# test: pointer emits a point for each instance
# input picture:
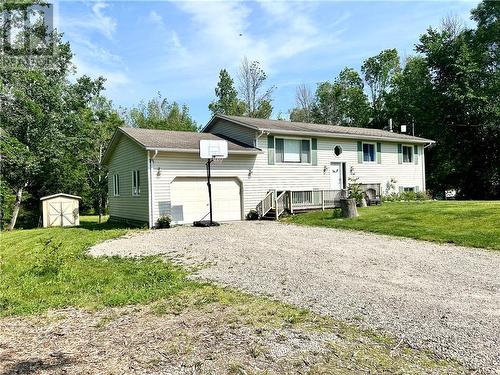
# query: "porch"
(275, 203)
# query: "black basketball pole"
(209, 161)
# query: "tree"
(258, 101)
(41, 111)
(159, 113)
(304, 102)
(463, 69)
(18, 166)
(342, 102)
(378, 73)
(227, 102)
(101, 121)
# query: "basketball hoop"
(214, 150)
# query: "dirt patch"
(215, 338)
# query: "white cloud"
(95, 21)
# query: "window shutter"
(401, 189)
(314, 151)
(415, 154)
(360, 152)
(270, 149)
(400, 153)
(417, 189)
(379, 153)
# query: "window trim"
(408, 189)
(296, 139)
(116, 184)
(412, 157)
(374, 144)
(134, 192)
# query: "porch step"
(270, 215)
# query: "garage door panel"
(189, 199)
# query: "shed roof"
(300, 128)
(60, 195)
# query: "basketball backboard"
(210, 148)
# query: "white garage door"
(189, 199)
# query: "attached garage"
(189, 199)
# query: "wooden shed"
(60, 210)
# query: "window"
(407, 154)
(136, 183)
(116, 185)
(406, 189)
(369, 152)
(337, 150)
(293, 150)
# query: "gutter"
(350, 136)
(195, 150)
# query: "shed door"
(189, 199)
(61, 213)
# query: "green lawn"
(42, 269)
(468, 223)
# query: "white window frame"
(116, 185)
(136, 190)
(407, 189)
(296, 139)
(412, 148)
(374, 152)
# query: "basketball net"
(217, 158)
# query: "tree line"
(55, 128)
(449, 91)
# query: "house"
(271, 166)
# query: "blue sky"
(178, 48)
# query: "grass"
(467, 223)
(48, 268)
(42, 269)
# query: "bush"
(406, 196)
(252, 215)
(163, 222)
(354, 190)
(50, 261)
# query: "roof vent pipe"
(390, 124)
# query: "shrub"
(252, 215)
(406, 196)
(50, 260)
(163, 222)
(354, 189)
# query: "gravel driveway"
(445, 298)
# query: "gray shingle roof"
(178, 140)
(320, 129)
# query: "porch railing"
(315, 199)
(298, 200)
(266, 204)
(282, 203)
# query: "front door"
(336, 176)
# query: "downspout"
(151, 188)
